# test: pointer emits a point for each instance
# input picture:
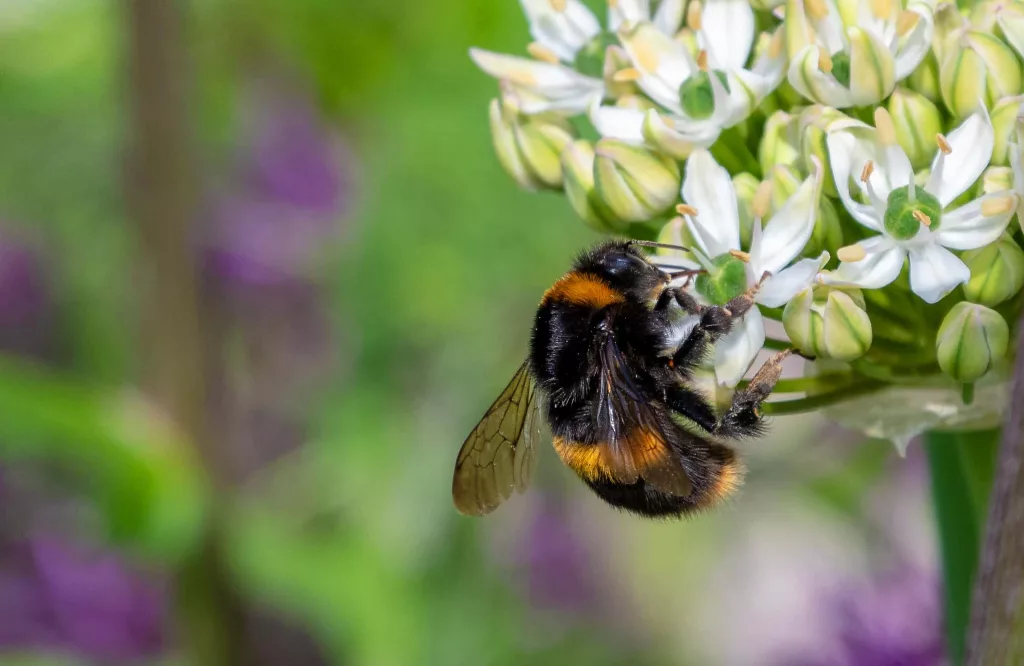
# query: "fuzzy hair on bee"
(615, 382)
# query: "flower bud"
(925, 79)
(746, 186)
(971, 340)
(1004, 122)
(780, 142)
(814, 123)
(917, 121)
(978, 66)
(829, 322)
(997, 272)
(578, 169)
(676, 232)
(995, 179)
(529, 149)
(635, 183)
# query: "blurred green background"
(370, 273)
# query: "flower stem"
(813, 402)
(961, 469)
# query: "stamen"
(907, 22)
(613, 3)
(646, 56)
(741, 255)
(922, 218)
(865, 173)
(816, 9)
(882, 9)
(558, 5)
(695, 16)
(998, 206)
(684, 209)
(777, 44)
(885, 127)
(943, 144)
(762, 199)
(824, 61)
(627, 75)
(702, 60)
(851, 253)
(542, 53)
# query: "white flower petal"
(788, 231)
(736, 351)
(627, 12)
(669, 16)
(914, 46)
(618, 123)
(662, 62)
(729, 28)
(563, 31)
(787, 283)
(967, 228)
(708, 188)
(563, 102)
(935, 271)
(814, 84)
(972, 143)
(847, 155)
(526, 71)
(880, 267)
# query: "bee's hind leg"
(744, 417)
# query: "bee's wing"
(500, 454)
(635, 443)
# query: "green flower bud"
(746, 188)
(925, 79)
(1004, 119)
(971, 340)
(637, 184)
(780, 142)
(977, 66)
(578, 169)
(590, 59)
(917, 122)
(814, 123)
(995, 179)
(997, 272)
(829, 323)
(529, 149)
(725, 279)
(659, 133)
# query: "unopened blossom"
(712, 217)
(700, 93)
(853, 54)
(912, 220)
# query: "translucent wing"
(635, 442)
(500, 454)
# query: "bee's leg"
(692, 405)
(744, 417)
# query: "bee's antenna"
(643, 243)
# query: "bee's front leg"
(744, 417)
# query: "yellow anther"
(943, 144)
(542, 53)
(851, 253)
(865, 173)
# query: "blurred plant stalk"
(162, 189)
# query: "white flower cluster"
(865, 153)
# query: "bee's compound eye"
(619, 263)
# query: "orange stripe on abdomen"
(581, 289)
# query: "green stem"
(962, 465)
(777, 345)
(724, 156)
(829, 382)
(813, 402)
(736, 145)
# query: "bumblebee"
(615, 380)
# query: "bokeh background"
(369, 273)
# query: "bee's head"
(624, 267)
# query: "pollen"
(559, 5)
(695, 15)
(741, 255)
(542, 53)
(885, 127)
(865, 173)
(998, 206)
(685, 209)
(762, 199)
(943, 144)
(824, 61)
(907, 22)
(922, 218)
(882, 9)
(816, 9)
(851, 253)
(627, 75)
(702, 60)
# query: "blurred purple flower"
(557, 561)
(27, 313)
(56, 596)
(894, 621)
